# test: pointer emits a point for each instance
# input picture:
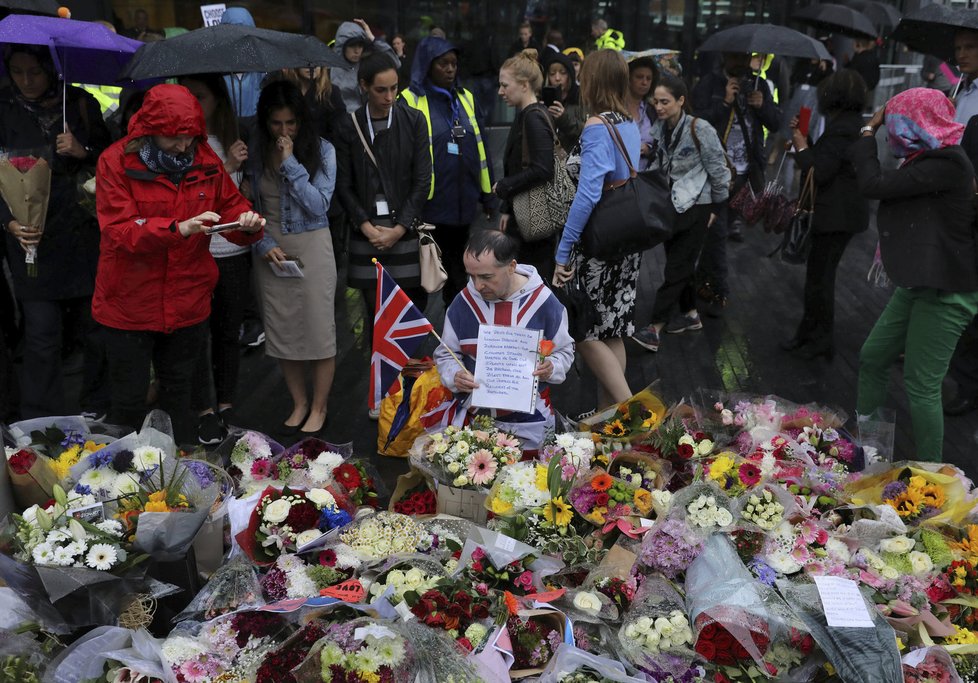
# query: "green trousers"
(923, 324)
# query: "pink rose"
(524, 580)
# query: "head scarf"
(46, 109)
(920, 119)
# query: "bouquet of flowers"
(80, 569)
(233, 587)
(383, 534)
(640, 469)
(228, 648)
(602, 498)
(827, 447)
(111, 654)
(457, 607)
(311, 463)
(514, 577)
(278, 665)
(417, 574)
(253, 462)
(574, 452)
(113, 472)
(630, 420)
(359, 484)
(571, 664)
(535, 636)
(285, 521)
(656, 634)
(420, 500)
(467, 457)
(168, 509)
(300, 576)
(919, 495)
(930, 665)
(521, 486)
(47, 456)
(25, 185)
(360, 650)
(670, 548)
(765, 507)
(704, 507)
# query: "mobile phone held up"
(804, 119)
(550, 94)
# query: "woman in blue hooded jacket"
(461, 173)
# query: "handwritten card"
(504, 368)
(843, 603)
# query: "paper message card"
(843, 603)
(504, 368)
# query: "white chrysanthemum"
(124, 485)
(782, 561)
(110, 526)
(300, 585)
(368, 659)
(56, 536)
(97, 479)
(75, 548)
(390, 651)
(146, 458)
(178, 649)
(101, 556)
(63, 558)
(346, 558)
(43, 553)
(836, 548)
(566, 440)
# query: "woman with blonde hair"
(610, 285)
(529, 158)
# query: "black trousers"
(682, 250)
(218, 362)
(818, 319)
(173, 356)
(539, 254)
(452, 240)
(42, 389)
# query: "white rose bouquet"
(763, 509)
(705, 513)
(656, 635)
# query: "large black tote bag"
(632, 215)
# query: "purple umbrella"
(83, 51)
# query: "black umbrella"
(837, 19)
(39, 6)
(931, 29)
(765, 39)
(228, 48)
(884, 17)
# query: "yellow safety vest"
(468, 104)
(611, 39)
(107, 96)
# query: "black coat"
(404, 178)
(838, 206)
(67, 255)
(533, 122)
(926, 217)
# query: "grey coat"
(345, 78)
(699, 173)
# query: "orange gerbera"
(512, 604)
(602, 482)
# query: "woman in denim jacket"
(292, 173)
(688, 150)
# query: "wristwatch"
(867, 129)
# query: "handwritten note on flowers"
(504, 368)
(843, 603)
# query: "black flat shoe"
(961, 405)
(318, 433)
(292, 430)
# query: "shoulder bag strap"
(363, 139)
(526, 145)
(620, 144)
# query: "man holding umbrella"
(739, 106)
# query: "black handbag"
(632, 215)
(797, 241)
(582, 316)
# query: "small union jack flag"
(399, 330)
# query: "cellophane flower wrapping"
(230, 648)
(34, 468)
(722, 597)
(375, 537)
(399, 575)
(442, 658)
(929, 664)
(655, 634)
(569, 659)
(703, 507)
(22, 658)
(764, 508)
(167, 536)
(466, 457)
(251, 459)
(233, 587)
(921, 493)
(600, 498)
(310, 463)
(501, 550)
(86, 658)
(859, 655)
(360, 645)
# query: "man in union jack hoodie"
(500, 291)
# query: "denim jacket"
(698, 176)
(304, 202)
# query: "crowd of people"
(321, 171)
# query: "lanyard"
(370, 124)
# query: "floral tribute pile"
(701, 543)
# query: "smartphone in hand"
(550, 94)
(222, 227)
(804, 119)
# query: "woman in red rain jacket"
(158, 188)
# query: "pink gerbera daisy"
(482, 467)
(261, 468)
(749, 473)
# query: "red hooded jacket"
(149, 276)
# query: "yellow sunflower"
(650, 421)
(615, 428)
(643, 501)
(908, 503)
(558, 512)
(933, 495)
